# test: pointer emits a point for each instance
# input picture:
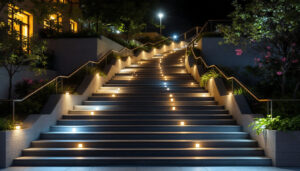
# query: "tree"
(130, 16)
(15, 53)
(273, 28)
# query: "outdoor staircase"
(132, 121)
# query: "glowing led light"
(165, 86)
(172, 100)
(80, 146)
(173, 108)
(97, 108)
(67, 93)
(230, 93)
(17, 127)
(182, 123)
(197, 145)
(165, 83)
(168, 89)
(192, 83)
(113, 95)
(92, 113)
(171, 95)
(74, 130)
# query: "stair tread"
(130, 132)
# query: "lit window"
(54, 22)
(20, 22)
(73, 26)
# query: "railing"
(269, 102)
(60, 79)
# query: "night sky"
(181, 15)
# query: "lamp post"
(160, 16)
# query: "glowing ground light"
(182, 123)
(172, 100)
(192, 83)
(17, 127)
(173, 108)
(80, 145)
(197, 145)
(168, 89)
(230, 93)
(92, 113)
(113, 95)
(67, 93)
(74, 130)
(171, 95)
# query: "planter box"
(283, 147)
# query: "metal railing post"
(13, 111)
(232, 86)
(56, 85)
(271, 105)
(62, 84)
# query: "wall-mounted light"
(74, 130)
(173, 108)
(67, 93)
(92, 113)
(172, 100)
(80, 145)
(113, 95)
(197, 145)
(171, 95)
(18, 127)
(182, 123)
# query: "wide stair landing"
(141, 117)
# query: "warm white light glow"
(168, 89)
(172, 100)
(192, 83)
(67, 93)
(113, 95)
(230, 93)
(80, 145)
(173, 108)
(197, 145)
(92, 113)
(17, 127)
(182, 123)
(171, 95)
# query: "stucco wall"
(70, 53)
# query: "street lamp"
(160, 16)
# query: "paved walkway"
(149, 169)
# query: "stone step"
(153, 103)
(148, 112)
(238, 143)
(145, 135)
(143, 128)
(144, 161)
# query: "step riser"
(163, 94)
(143, 136)
(223, 144)
(146, 99)
(145, 117)
(153, 162)
(152, 112)
(143, 153)
(137, 122)
(147, 108)
(145, 128)
(177, 103)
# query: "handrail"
(268, 100)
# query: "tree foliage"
(273, 28)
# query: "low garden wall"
(282, 147)
(14, 141)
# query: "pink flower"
(41, 80)
(283, 59)
(279, 73)
(295, 61)
(29, 81)
(268, 47)
(238, 52)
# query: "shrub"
(6, 124)
(276, 123)
(208, 75)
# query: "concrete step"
(143, 128)
(144, 161)
(143, 152)
(153, 103)
(238, 143)
(145, 135)
(148, 112)
(147, 116)
(145, 122)
(149, 107)
(162, 94)
(147, 99)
